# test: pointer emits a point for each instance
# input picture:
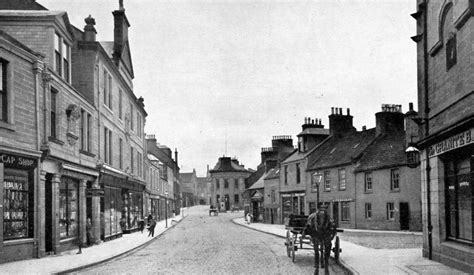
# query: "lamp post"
(316, 178)
(166, 209)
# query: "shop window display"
(17, 220)
(68, 208)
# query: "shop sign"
(454, 142)
(20, 162)
(95, 192)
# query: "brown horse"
(322, 230)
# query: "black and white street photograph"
(237, 137)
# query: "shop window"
(327, 180)
(298, 173)
(342, 179)
(18, 204)
(68, 208)
(368, 211)
(395, 179)
(459, 193)
(368, 181)
(390, 211)
(345, 211)
(3, 91)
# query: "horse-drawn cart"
(298, 238)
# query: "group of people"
(151, 223)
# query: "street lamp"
(316, 178)
(166, 209)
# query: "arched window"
(448, 35)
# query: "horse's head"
(322, 220)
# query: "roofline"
(381, 167)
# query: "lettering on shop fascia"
(451, 143)
(17, 161)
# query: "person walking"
(151, 228)
(89, 232)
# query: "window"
(286, 174)
(120, 153)
(131, 118)
(327, 180)
(368, 181)
(226, 183)
(120, 104)
(217, 184)
(85, 129)
(390, 211)
(342, 179)
(449, 37)
(57, 54)
(394, 179)
(458, 196)
(68, 208)
(316, 180)
(107, 90)
(368, 211)
(3, 91)
(139, 163)
(66, 54)
(53, 122)
(132, 164)
(273, 196)
(298, 173)
(345, 211)
(62, 57)
(18, 202)
(139, 124)
(236, 198)
(107, 146)
(236, 185)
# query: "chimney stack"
(176, 156)
(340, 124)
(121, 26)
(89, 29)
(390, 119)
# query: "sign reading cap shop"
(14, 161)
(451, 143)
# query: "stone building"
(228, 183)
(103, 73)
(170, 192)
(446, 117)
(154, 187)
(21, 219)
(363, 176)
(189, 188)
(68, 140)
(293, 179)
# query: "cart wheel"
(293, 246)
(337, 249)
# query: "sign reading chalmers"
(451, 143)
(14, 161)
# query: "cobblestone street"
(201, 244)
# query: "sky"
(223, 77)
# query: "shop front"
(448, 174)
(17, 222)
(292, 203)
(257, 209)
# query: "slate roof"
(186, 177)
(274, 173)
(260, 182)
(375, 156)
(314, 131)
(340, 150)
(226, 164)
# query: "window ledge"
(55, 140)
(368, 192)
(18, 241)
(7, 126)
(395, 191)
(87, 153)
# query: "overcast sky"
(251, 70)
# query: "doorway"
(404, 216)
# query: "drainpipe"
(37, 69)
(426, 128)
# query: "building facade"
(228, 183)
(189, 188)
(446, 118)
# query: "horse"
(322, 230)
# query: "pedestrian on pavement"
(89, 232)
(249, 218)
(151, 229)
(141, 224)
(148, 219)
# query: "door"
(335, 213)
(227, 202)
(48, 214)
(404, 216)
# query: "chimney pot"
(410, 106)
(340, 111)
(348, 111)
(364, 128)
(312, 121)
(89, 29)
(332, 110)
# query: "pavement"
(70, 261)
(362, 260)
